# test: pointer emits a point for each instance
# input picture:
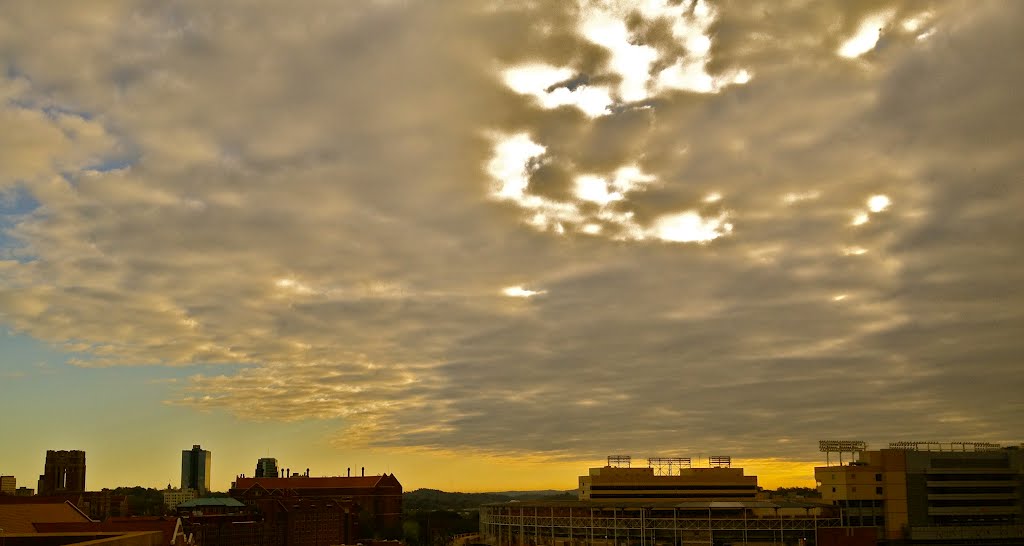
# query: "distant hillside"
(433, 499)
(536, 494)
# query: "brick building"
(271, 519)
(370, 505)
(103, 504)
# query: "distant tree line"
(805, 492)
(146, 501)
(433, 517)
(433, 499)
(143, 501)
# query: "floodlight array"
(620, 461)
(842, 446)
(945, 446)
(666, 466)
(720, 461)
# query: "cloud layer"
(482, 227)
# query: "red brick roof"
(167, 525)
(40, 499)
(336, 482)
(22, 517)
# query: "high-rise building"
(266, 468)
(64, 472)
(8, 485)
(195, 469)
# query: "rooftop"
(212, 501)
(20, 518)
(636, 504)
(304, 482)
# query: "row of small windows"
(973, 502)
(1001, 462)
(878, 490)
(977, 490)
(878, 477)
(1005, 477)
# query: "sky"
(483, 245)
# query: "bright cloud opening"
(867, 35)
(918, 22)
(509, 167)
(912, 24)
(293, 285)
(595, 189)
(796, 197)
(878, 203)
(535, 78)
(603, 22)
(690, 227)
(520, 292)
(629, 60)
(537, 81)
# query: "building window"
(853, 476)
(878, 490)
(854, 489)
(878, 477)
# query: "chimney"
(349, 472)
(363, 473)
(307, 472)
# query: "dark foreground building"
(97, 505)
(718, 522)
(269, 520)
(298, 511)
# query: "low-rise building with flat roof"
(621, 484)
(174, 497)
